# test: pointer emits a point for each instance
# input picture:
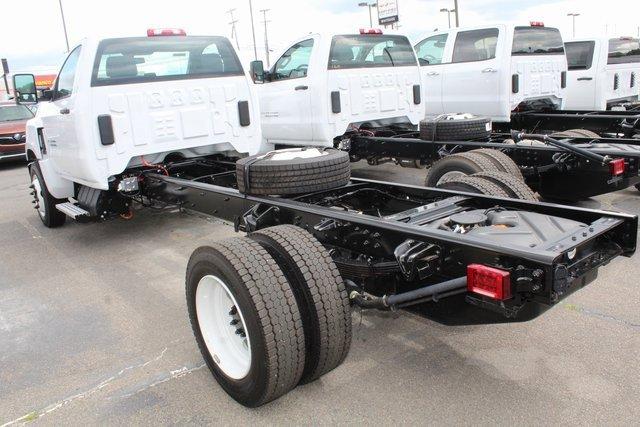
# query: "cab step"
(73, 211)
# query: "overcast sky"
(31, 33)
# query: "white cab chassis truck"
(324, 85)
(125, 103)
(493, 70)
(155, 119)
(603, 73)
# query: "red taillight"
(536, 23)
(154, 32)
(617, 167)
(370, 31)
(489, 281)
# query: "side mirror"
(47, 95)
(24, 87)
(256, 68)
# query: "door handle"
(301, 87)
(64, 111)
(584, 78)
(432, 73)
(489, 70)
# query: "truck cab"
(603, 73)
(323, 85)
(124, 103)
(492, 70)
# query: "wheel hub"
(223, 327)
(38, 199)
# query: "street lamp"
(444, 9)
(369, 5)
(573, 16)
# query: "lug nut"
(234, 322)
(240, 332)
(233, 311)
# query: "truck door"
(285, 99)
(472, 81)
(581, 77)
(430, 52)
(60, 132)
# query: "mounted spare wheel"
(472, 184)
(455, 127)
(293, 171)
(457, 165)
(575, 133)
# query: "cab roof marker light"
(155, 32)
(370, 31)
(536, 24)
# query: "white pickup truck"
(493, 70)
(603, 73)
(126, 103)
(324, 85)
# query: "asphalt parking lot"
(93, 330)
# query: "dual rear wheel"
(269, 311)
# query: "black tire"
(465, 163)
(575, 133)
(637, 187)
(471, 184)
(320, 292)
(50, 216)
(298, 175)
(503, 162)
(515, 188)
(461, 129)
(271, 315)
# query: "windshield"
(537, 41)
(370, 50)
(15, 112)
(148, 59)
(624, 51)
(579, 55)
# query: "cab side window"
(294, 63)
(475, 45)
(64, 84)
(431, 50)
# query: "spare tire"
(455, 127)
(459, 164)
(471, 184)
(575, 133)
(293, 171)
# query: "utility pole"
(253, 32)
(266, 37)
(234, 34)
(455, 7)
(64, 25)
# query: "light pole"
(369, 5)
(448, 14)
(573, 16)
(253, 32)
(455, 9)
(64, 25)
(266, 38)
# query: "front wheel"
(43, 201)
